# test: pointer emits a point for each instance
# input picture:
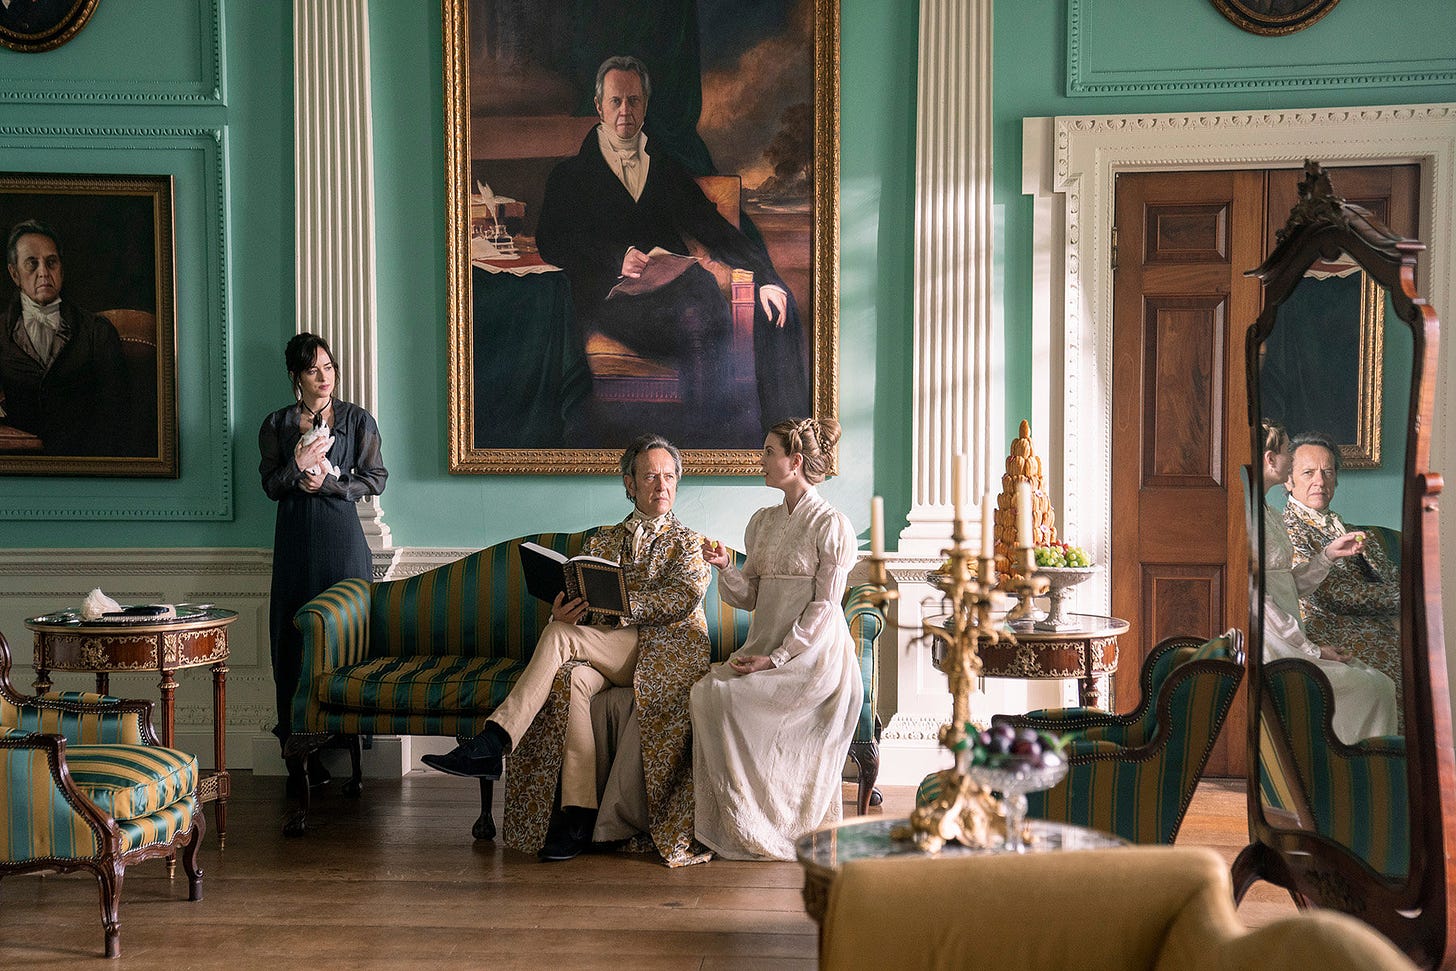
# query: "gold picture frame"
(1273, 18)
(502, 419)
(35, 27)
(117, 300)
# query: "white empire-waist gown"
(769, 747)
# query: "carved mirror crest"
(1351, 768)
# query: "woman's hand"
(313, 481)
(715, 553)
(567, 611)
(1333, 653)
(1347, 545)
(750, 664)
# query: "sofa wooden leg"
(866, 756)
(295, 754)
(355, 785)
(190, 864)
(109, 875)
(484, 828)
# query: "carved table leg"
(219, 747)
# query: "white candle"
(958, 484)
(988, 525)
(1023, 513)
(877, 527)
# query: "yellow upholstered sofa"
(1149, 907)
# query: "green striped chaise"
(434, 654)
(1134, 774)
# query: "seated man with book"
(659, 647)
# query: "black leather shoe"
(569, 834)
(477, 758)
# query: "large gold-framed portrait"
(641, 228)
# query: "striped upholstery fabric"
(1140, 788)
(83, 785)
(866, 621)
(61, 713)
(1357, 795)
(131, 781)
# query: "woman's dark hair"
(298, 355)
(813, 438)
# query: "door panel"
(1182, 306)
(1184, 240)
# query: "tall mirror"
(1351, 770)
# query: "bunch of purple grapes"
(1004, 746)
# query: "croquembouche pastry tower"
(1022, 465)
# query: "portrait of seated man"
(62, 373)
(606, 212)
(1356, 608)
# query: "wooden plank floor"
(394, 880)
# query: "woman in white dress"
(771, 725)
(1365, 700)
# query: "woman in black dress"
(317, 540)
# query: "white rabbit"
(321, 430)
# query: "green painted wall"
(425, 506)
(1031, 80)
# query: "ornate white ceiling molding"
(1069, 167)
(333, 159)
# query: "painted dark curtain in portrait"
(732, 94)
(1311, 370)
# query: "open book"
(602, 583)
(662, 268)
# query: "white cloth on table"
(1365, 700)
(769, 747)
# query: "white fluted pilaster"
(958, 377)
(333, 156)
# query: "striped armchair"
(85, 786)
(1134, 774)
(1353, 794)
(434, 654)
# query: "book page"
(662, 268)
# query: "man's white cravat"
(42, 327)
(1327, 521)
(628, 160)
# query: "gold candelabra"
(964, 811)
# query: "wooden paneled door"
(1179, 432)
(1181, 309)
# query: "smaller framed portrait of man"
(87, 337)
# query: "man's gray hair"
(646, 443)
(27, 228)
(1321, 439)
(624, 62)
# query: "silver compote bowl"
(1060, 579)
(1014, 783)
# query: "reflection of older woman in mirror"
(1365, 701)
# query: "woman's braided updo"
(814, 439)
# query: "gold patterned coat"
(665, 589)
(1348, 611)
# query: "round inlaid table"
(198, 636)
(822, 852)
(1086, 650)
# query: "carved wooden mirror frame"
(1413, 911)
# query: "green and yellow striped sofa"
(1353, 794)
(86, 786)
(434, 654)
(1134, 774)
